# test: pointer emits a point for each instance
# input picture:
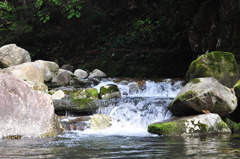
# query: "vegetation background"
(131, 38)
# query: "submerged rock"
(77, 124)
(25, 112)
(99, 122)
(191, 125)
(203, 95)
(217, 64)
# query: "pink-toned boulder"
(25, 112)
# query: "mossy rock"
(90, 93)
(203, 95)
(231, 124)
(75, 106)
(109, 91)
(216, 64)
(191, 125)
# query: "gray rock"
(80, 73)
(11, 55)
(38, 86)
(202, 95)
(97, 73)
(30, 71)
(62, 79)
(25, 112)
(67, 67)
(51, 69)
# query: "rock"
(30, 71)
(79, 124)
(25, 112)
(58, 95)
(203, 94)
(80, 73)
(67, 67)
(50, 68)
(38, 86)
(216, 64)
(62, 79)
(191, 125)
(97, 73)
(90, 93)
(79, 82)
(100, 122)
(62, 70)
(75, 106)
(11, 55)
(109, 91)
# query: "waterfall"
(142, 103)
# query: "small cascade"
(142, 103)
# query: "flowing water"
(142, 104)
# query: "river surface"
(142, 104)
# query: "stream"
(141, 104)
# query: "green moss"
(187, 95)
(216, 64)
(108, 89)
(231, 124)
(221, 125)
(195, 80)
(237, 127)
(170, 128)
(90, 93)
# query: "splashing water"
(142, 103)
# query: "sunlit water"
(128, 136)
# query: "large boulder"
(25, 112)
(51, 69)
(41, 71)
(11, 55)
(191, 125)
(216, 64)
(30, 71)
(203, 95)
(109, 91)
